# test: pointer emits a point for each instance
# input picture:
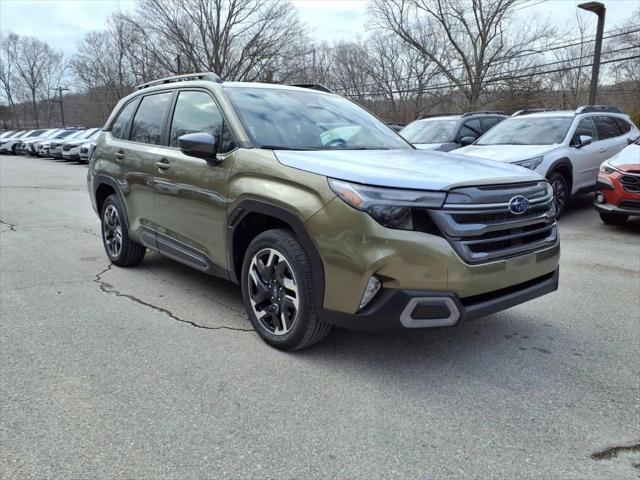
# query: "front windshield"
(429, 131)
(528, 131)
(307, 120)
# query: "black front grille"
(66, 148)
(630, 183)
(480, 231)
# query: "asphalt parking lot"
(153, 372)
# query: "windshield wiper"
(282, 147)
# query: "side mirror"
(584, 140)
(464, 141)
(200, 145)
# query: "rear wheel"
(120, 249)
(278, 292)
(560, 188)
(613, 218)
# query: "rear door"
(611, 139)
(190, 194)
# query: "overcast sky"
(63, 22)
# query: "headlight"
(532, 163)
(605, 168)
(390, 207)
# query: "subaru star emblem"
(518, 204)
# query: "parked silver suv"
(564, 146)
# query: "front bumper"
(395, 309)
(618, 209)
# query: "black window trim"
(172, 108)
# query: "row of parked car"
(571, 149)
(61, 143)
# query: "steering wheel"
(336, 141)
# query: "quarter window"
(149, 119)
(606, 127)
(198, 112)
(120, 128)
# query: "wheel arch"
(564, 167)
(103, 186)
(254, 216)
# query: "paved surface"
(151, 372)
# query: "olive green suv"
(322, 213)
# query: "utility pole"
(599, 9)
(179, 63)
(60, 90)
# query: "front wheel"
(613, 218)
(120, 249)
(560, 192)
(278, 292)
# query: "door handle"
(602, 150)
(163, 164)
(119, 154)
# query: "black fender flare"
(102, 179)
(293, 220)
(562, 162)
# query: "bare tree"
(470, 41)
(8, 75)
(238, 39)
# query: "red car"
(619, 186)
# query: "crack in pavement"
(12, 226)
(614, 451)
(108, 288)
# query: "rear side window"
(120, 128)
(148, 122)
(606, 127)
(198, 112)
(623, 125)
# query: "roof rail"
(312, 86)
(527, 111)
(209, 76)
(598, 108)
(483, 112)
(431, 115)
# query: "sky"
(62, 23)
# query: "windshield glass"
(292, 119)
(528, 131)
(429, 131)
(86, 134)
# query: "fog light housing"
(600, 198)
(373, 286)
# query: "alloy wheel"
(273, 291)
(559, 194)
(112, 231)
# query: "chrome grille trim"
(482, 232)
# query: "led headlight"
(390, 207)
(531, 163)
(606, 168)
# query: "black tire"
(306, 328)
(130, 253)
(560, 192)
(613, 218)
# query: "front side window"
(308, 120)
(120, 128)
(585, 127)
(198, 112)
(528, 131)
(489, 123)
(470, 128)
(148, 121)
(429, 131)
(606, 127)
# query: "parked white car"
(11, 145)
(564, 146)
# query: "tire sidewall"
(553, 178)
(291, 339)
(115, 201)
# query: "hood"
(628, 160)
(415, 169)
(505, 153)
(427, 146)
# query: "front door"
(190, 194)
